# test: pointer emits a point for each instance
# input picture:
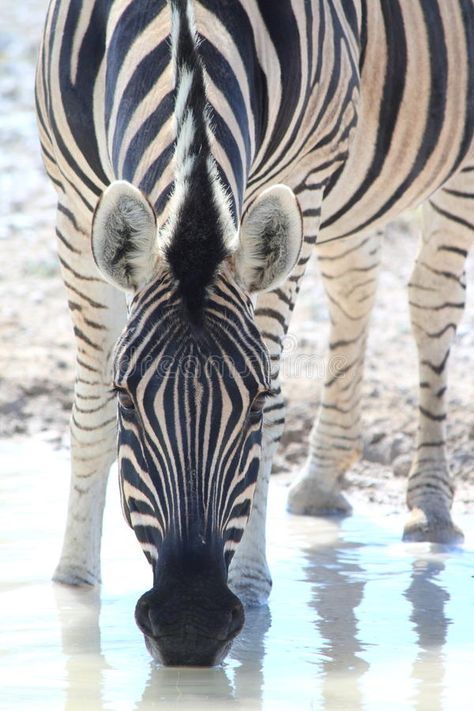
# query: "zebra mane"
(200, 230)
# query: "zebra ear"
(271, 236)
(124, 236)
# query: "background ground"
(36, 346)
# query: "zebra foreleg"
(98, 313)
(249, 575)
(349, 270)
(437, 296)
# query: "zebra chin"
(189, 617)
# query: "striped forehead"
(159, 339)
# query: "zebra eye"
(125, 401)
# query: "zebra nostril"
(143, 618)
(236, 620)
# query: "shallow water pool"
(357, 620)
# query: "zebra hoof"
(68, 574)
(431, 526)
(307, 498)
(251, 587)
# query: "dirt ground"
(36, 345)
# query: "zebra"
(199, 150)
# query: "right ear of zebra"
(124, 236)
(270, 240)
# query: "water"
(357, 621)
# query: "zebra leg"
(349, 270)
(437, 296)
(98, 313)
(249, 575)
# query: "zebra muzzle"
(189, 618)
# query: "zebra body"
(362, 109)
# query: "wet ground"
(357, 621)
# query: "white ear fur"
(124, 236)
(271, 236)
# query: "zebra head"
(192, 374)
(191, 371)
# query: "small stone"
(376, 448)
(37, 297)
(377, 437)
(401, 465)
(50, 435)
(400, 445)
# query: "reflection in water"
(356, 596)
(429, 598)
(239, 681)
(191, 687)
(337, 572)
(249, 652)
(80, 641)
(338, 589)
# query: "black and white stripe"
(189, 455)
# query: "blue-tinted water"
(357, 620)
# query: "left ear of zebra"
(124, 236)
(271, 236)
